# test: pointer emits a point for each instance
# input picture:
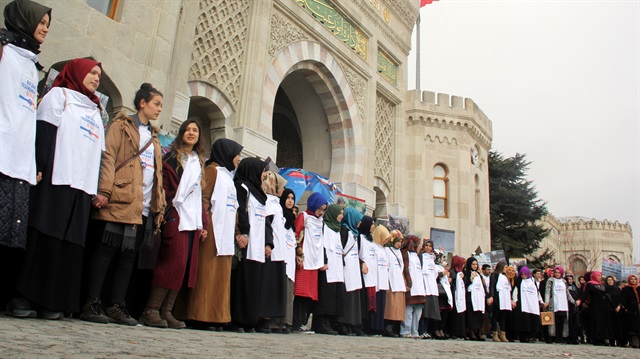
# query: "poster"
(627, 271)
(518, 262)
(611, 268)
(399, 223)
(350, 201)
(443, 239)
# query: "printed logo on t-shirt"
(28, 94)
(91, 128)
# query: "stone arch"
(324, 73)
(578, 264)
(212, 108)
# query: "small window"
(440, 191)
(107, 7)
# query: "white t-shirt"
(224, 206)
(18, 99)
(148, 168)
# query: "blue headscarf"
(351, 219)
(315, 201)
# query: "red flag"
(426, 2)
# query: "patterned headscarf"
(411, 243)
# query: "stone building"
(580, 244)
(317, 84)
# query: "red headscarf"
(594, 276)
(74, 73)
(457, 263)
(634, 287)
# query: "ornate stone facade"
(260, 72)
(580, 244)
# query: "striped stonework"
(208, 91)
(326, 76)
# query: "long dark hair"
(177, 147)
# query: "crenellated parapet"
(443, 111)
(583, 224)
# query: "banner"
(627, 271)
(443, 239)
(611, 268)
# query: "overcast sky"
(560, 81)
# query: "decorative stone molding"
(358, 89)
(282, 33)
(404, 12)
(384, 138)
(389, 33)
(220, 43)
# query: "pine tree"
(514, 207)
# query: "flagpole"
(418, 56)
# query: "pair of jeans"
(412, 316)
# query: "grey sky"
(560, 81)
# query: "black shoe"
(20, 308)
(92, 312)
(235, 329)
(47, 314)
(249, 330)
(119, 314)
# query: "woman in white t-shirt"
(69, 143)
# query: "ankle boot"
(324, 325)
(151, 314)
(167, 307)
(494, 336)
(503, 337)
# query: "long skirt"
(273, 290)
(51, 276)
(352, 313)
(14, 212)
(245, 292)
(376, 319)
(395, 306)
(209, 301)
(474, 319)
(330, 297)
(458, 323)
(431, 308)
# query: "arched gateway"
(306, 91)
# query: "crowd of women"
(97, 223)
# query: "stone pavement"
(73, 338)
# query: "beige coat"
(124, 187)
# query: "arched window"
(440, 191)
(578, 265)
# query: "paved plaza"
(73, 338)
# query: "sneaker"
(302, 330)
(119, 314)
(20, 308)
(92, 312)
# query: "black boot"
(388, 331)
(324, 326)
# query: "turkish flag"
(426, 2)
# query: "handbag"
(547, 318)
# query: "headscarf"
(223, 151)
(457, 263)
(560, 269)
(351, 219)
(525, 270)
(289, 217)
(315, 201)
(21, 17)
(249, 173)
(593, 277)
(73, 74)
(280, 182)
(330, 217)
(411, 243)
(587, 276)
(380, 235)
(606, 281)
(365, 227)
(424, 245)
(511, 272)
(467, 267)
(396, 236)
(269, 183)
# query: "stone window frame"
(442, 199)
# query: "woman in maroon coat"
(185, 225)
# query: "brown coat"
(124, 187)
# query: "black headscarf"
(223, 151)
(289, 217)
(21, 17)
(365, 227)
(249, 173)
(467, 267)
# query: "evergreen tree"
(515, 207)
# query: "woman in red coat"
(185, 225)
